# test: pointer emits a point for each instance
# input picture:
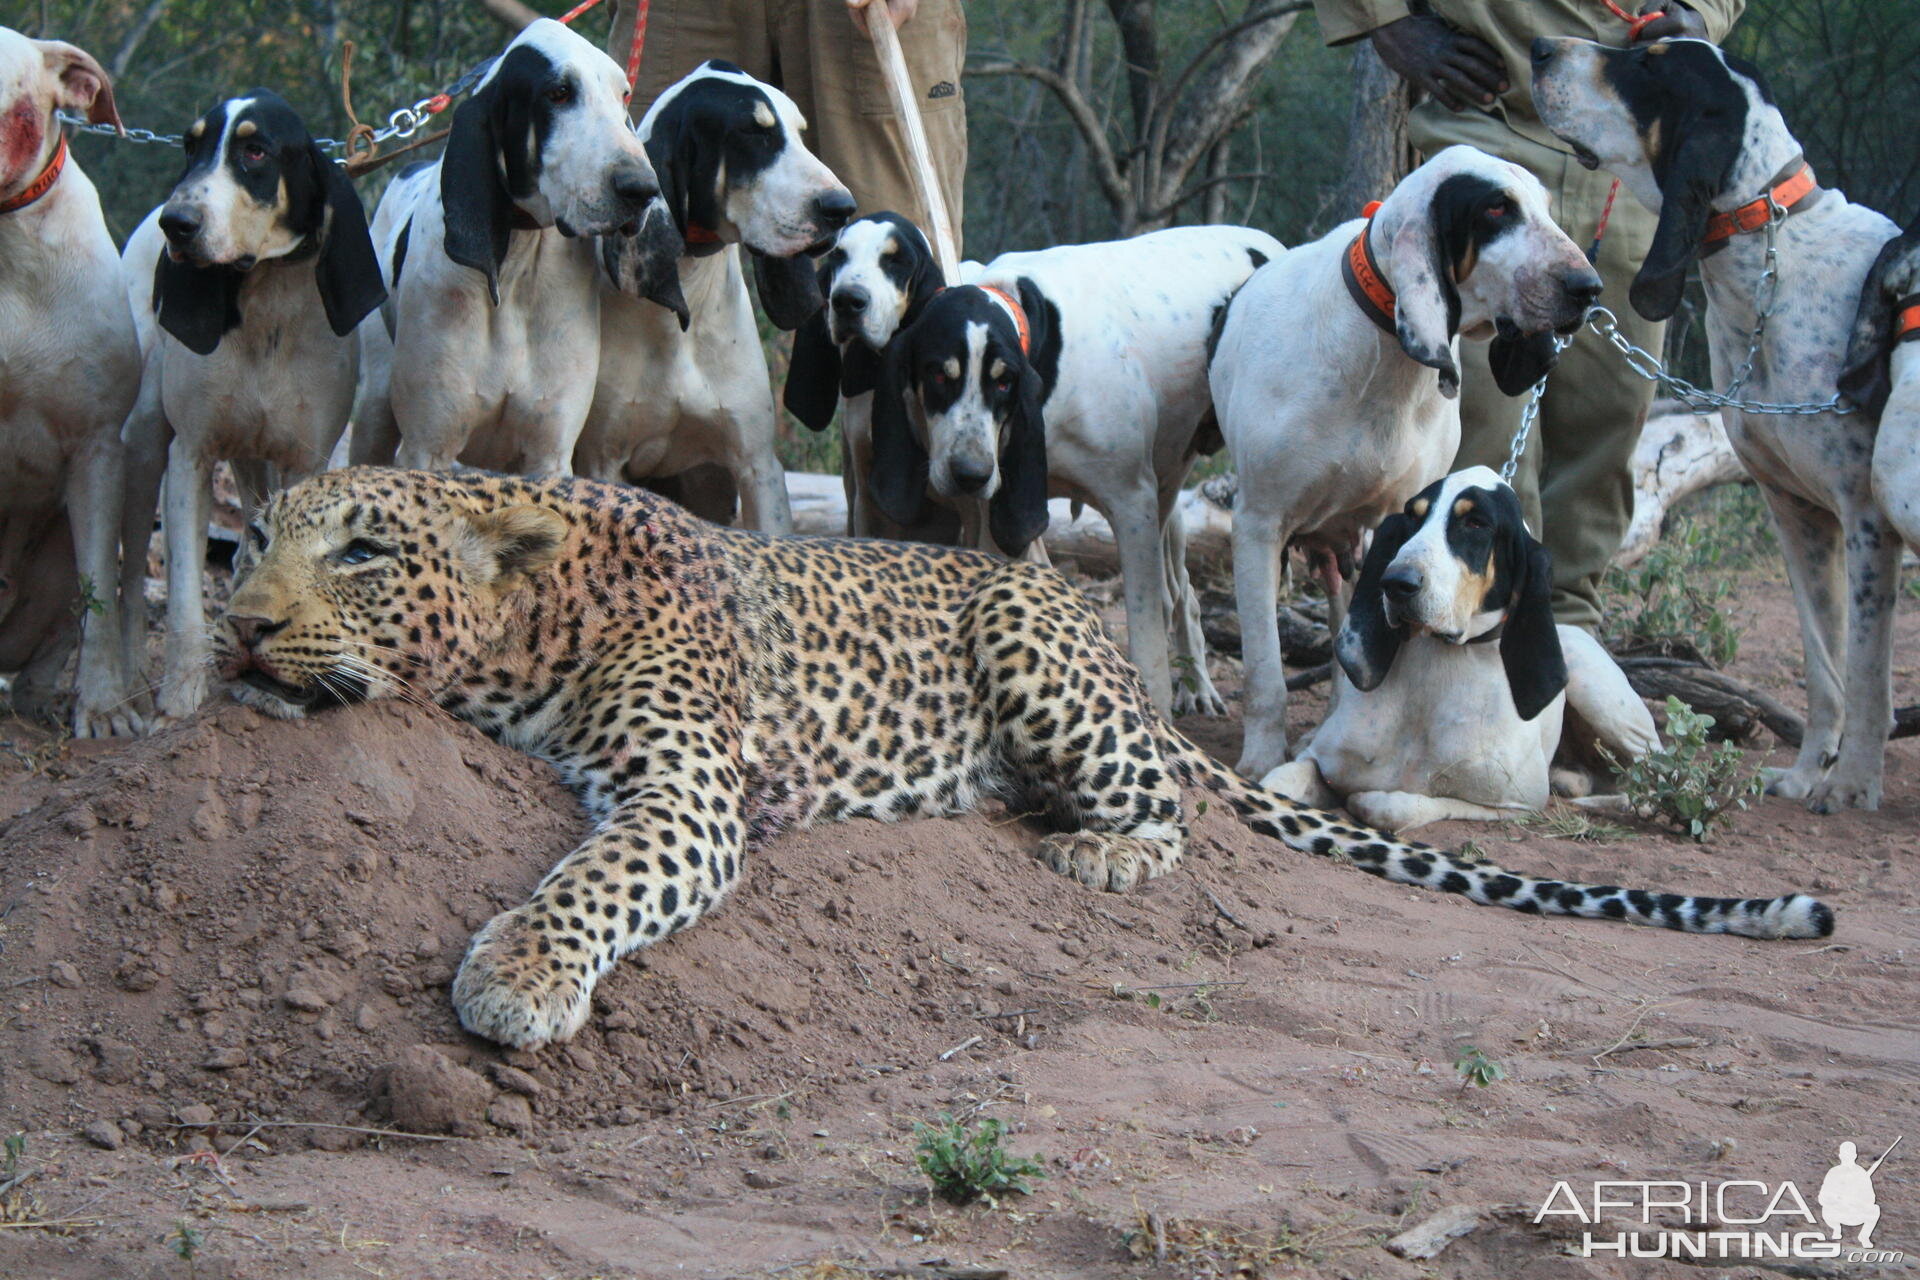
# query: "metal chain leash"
(403, 123)
(1527, 416)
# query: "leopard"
(704, 689)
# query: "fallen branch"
(318, 1124)
(1428, 1238)
(1735, 705)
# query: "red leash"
(639, 32)
(1634, 25)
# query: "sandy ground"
(213, 941)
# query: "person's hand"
(1453, 67)
(898, 10)
(1677, 20)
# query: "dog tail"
(1331, 835)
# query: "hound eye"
(1003, 384)
(359, 551)
(1474, 520)
(560, 95)
(253, 152)
(1496, 211)
(937, 378)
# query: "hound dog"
(876, 280)
(1076, 372)
(69, 371)
(1694, 133)
(682, 375)
(1883, 375)
(495, 316)
(1336, 381)
(246, 286)
(1455, 684)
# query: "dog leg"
(1194, 693)
(1136, 528)
(1810, 539)
(758, 474)
(1873, 574)
(183, 680)
(1404, 810)
(96, 494)
(1257, 547)
(146, 437)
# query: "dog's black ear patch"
(1017, 513)
(347, 270)
(812, 393)
(899, 477)
(492, 130)
(789, 289)
(1368, 643)
(1530, 646)
(197, 305)
(1890, 286)
(646, 264)
(1519, 361)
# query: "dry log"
(1739, 709)
(1679, 453)
(1431, 1236)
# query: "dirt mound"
(263, 918)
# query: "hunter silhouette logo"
(1735, 1219)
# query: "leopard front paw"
(522, 986)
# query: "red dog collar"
(1758, 212)
(1369, 288)
(1014, 310)
(1906, 319)
(40, 185)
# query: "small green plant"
(89, 601)
(1666, 604)
(966, 1163)
(185, 1241)
(16, 1146)
(1477, 1069)
(1690, 784)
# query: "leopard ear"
(504, 548)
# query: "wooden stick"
(906, 106)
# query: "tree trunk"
(1378, 154)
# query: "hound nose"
(635, 185)
(179, 225)
(250, 629)
(834, 209)
(971, 477)
(850, 301)
(1401, 583)
(1542, 51)
(1582, 288)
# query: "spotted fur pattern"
(704, 688)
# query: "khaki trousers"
(812, 51)
(1575, 480)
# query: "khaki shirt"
(1509, 26)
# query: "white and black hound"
(246, 286)
(1694, 133)
(495, 316)
(69, 372)
(1455, 681)
(1883, 375)
(877, 278)
(682, 376)
(1336, 381)
(1076, 372)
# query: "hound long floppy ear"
(1519, 361)
(84, 86)
(1426, 307)
(1368, 643)
(504, 548)
(899, 476)
(197, 305)
(477, 203)
(347, 271)
(1697, 153)
(1017, 513)
(812, 393)
(1530, 645)
(789, 289)
(1866, 379)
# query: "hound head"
(876, 279)
(258, 188)
(1891, 288)
(1685, 125)
(1456, 564)
(1470, 248)
(38, 78)
(545, 137)
(958, 408)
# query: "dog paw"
(1198, 702)
(1101, 860)
(520, 986)
(180, 696)
(111, 721)
(1790, 784)
(1836, 792)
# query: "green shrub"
(1666, 605)
(965, 1163)
(1691, 783)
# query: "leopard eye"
(257, 536)
(359, 551)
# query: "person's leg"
(682, 34)
(829, 68)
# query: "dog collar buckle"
(40, 185)
(1370, 290)
(1772, 205)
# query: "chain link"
(1528, 415)
(403, 123)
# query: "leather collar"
(1492, 633)
(1014, 310)
(1798, 189)
(1906, 319)
(40, 185)
(1370, 290)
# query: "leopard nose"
(250, 629)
